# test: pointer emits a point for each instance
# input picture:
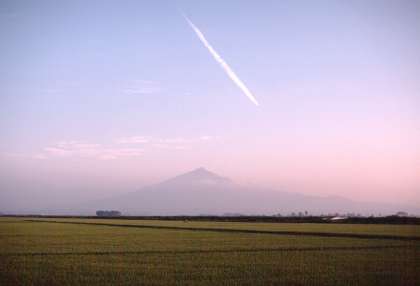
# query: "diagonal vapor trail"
(222, 63)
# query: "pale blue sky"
(332, 78)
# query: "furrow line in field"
(145, 252)
(252, 231)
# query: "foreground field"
(63, 253)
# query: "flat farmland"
(156, 252)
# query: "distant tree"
(110, 213)
(401, 214)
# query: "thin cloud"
(177, 140)
(171, 146)
(88, 150)
(168, 140)
(206, 138)
(39, 157)
(133, 140)
(116, 150)
(232, 75)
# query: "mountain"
(195, 192)
(203, 192)
(198, 177)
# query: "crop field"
(73, 251)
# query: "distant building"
(111, 213)
(338, 218)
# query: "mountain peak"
(199, 176)
(201, 170)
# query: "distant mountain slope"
(203, 192)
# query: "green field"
(134, 252)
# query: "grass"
(39, 253)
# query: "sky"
(99, 98)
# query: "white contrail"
(222, 63)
